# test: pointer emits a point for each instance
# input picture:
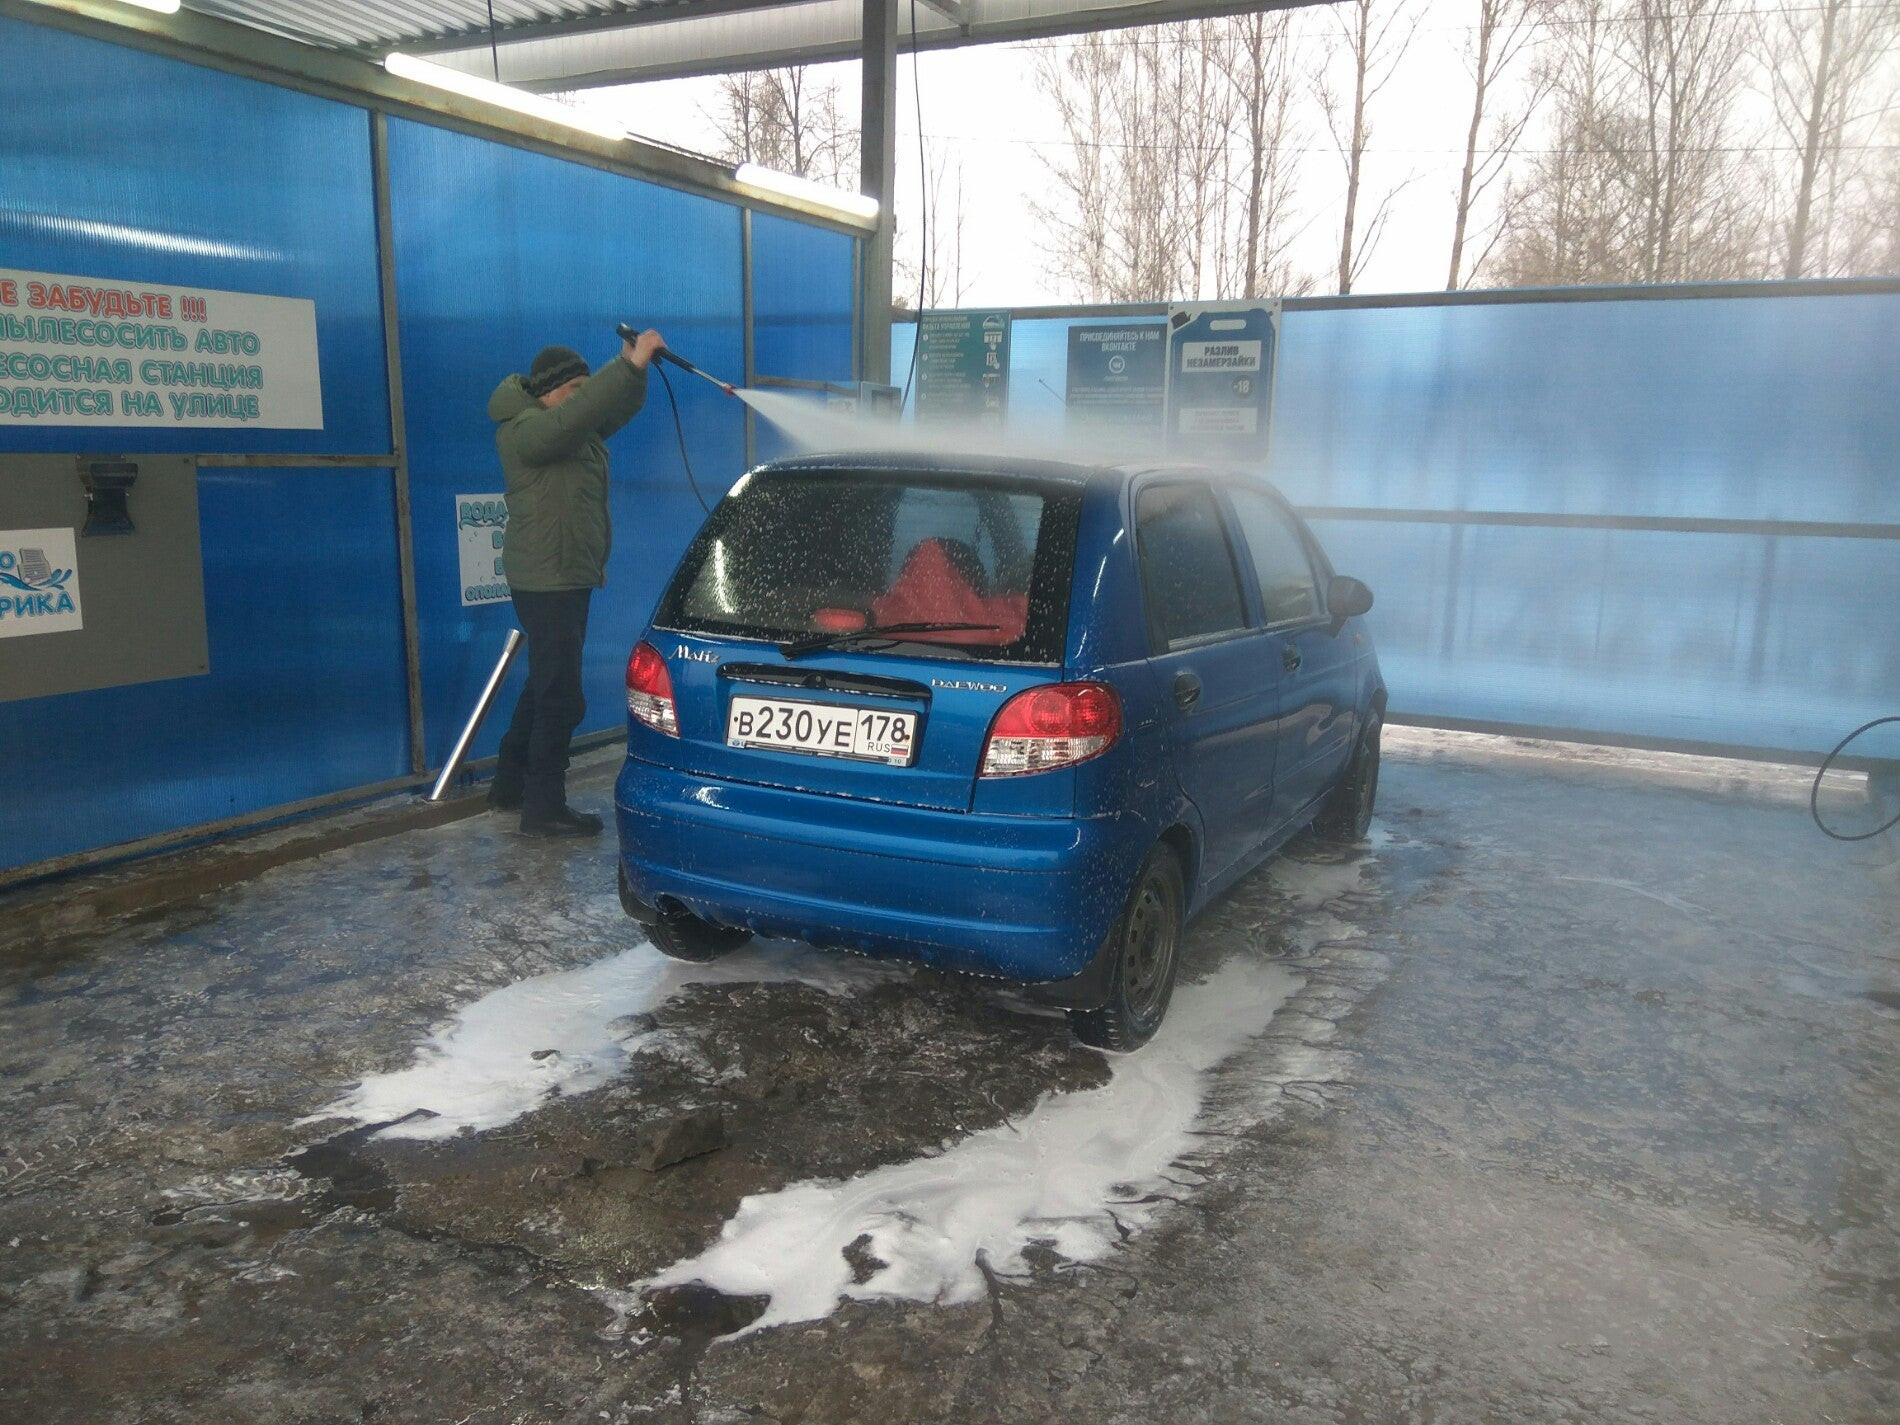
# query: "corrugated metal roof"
(568, 44)
(377, 25)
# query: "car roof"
(952, 462)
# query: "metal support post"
(747, 325)
(482, 704)
(878, 157)
(399, 442)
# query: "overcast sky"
(980, 106)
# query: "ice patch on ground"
(511, 1050)
(1311, 884)
(1077, 1173)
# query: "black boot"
(504, 798)
(565, 822)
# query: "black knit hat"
(554, 366)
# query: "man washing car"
(550, 429)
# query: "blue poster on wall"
(1220, 379)
(1117, 376)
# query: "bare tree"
(788, 119)
(1507, 30)
(1568, 222)
(1262, 67)
(1650, 173)
(1141, 184)
(1698, 199)
(1373, 37)
(930, 266)
(1177, 176)
(1819, 57)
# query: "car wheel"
(1146, 945)
(684, 936)
(1347, 815)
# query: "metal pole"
(482, 704)
(877, 156)
(745, 325)
(399, 442)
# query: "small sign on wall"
(39, 582)
(481, 521)
(1220, 379)
(100, 351)
(963, 368)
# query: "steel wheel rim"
(1149, 947)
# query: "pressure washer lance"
(626, 333)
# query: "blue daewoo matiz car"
(1013, 718)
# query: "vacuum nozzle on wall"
(626, 332)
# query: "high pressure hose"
(1814, 793)
(661, 358)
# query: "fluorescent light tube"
(472, 86)
(755, 175)
(164, 7)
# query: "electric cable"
(1814, 793)
(679, 432)
(923, 211)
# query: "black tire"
(1146, 946)
(1347, 815)
(684, 936)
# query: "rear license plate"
(823, 730)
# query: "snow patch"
(511, 1050)
(1077, 1173)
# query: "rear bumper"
(1027, 899)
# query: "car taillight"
(650, 690)
(1053, 726)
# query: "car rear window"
(795, 553)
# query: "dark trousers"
(534, 749)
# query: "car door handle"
(1290, 657)
(1187, 690)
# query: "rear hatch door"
(797, 557)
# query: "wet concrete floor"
(1574, 1096)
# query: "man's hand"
(640, 351)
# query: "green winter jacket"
(556, 470)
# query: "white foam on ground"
(492, 1063)
(1080, 1170)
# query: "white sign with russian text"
(480, 523)
(91, 351)
(39, 582)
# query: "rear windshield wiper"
(811, 643)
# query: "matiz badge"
(682, 651)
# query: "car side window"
(1289, 590)
(1187, 565)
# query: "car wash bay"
(1568, 1095)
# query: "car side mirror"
(1346, 598)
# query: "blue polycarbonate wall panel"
(305, 696)
(1764, 408)
(1740, 640)
(803, 283)
(500, 252)
(1784, 408)
(124, 166)
(802, 299)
